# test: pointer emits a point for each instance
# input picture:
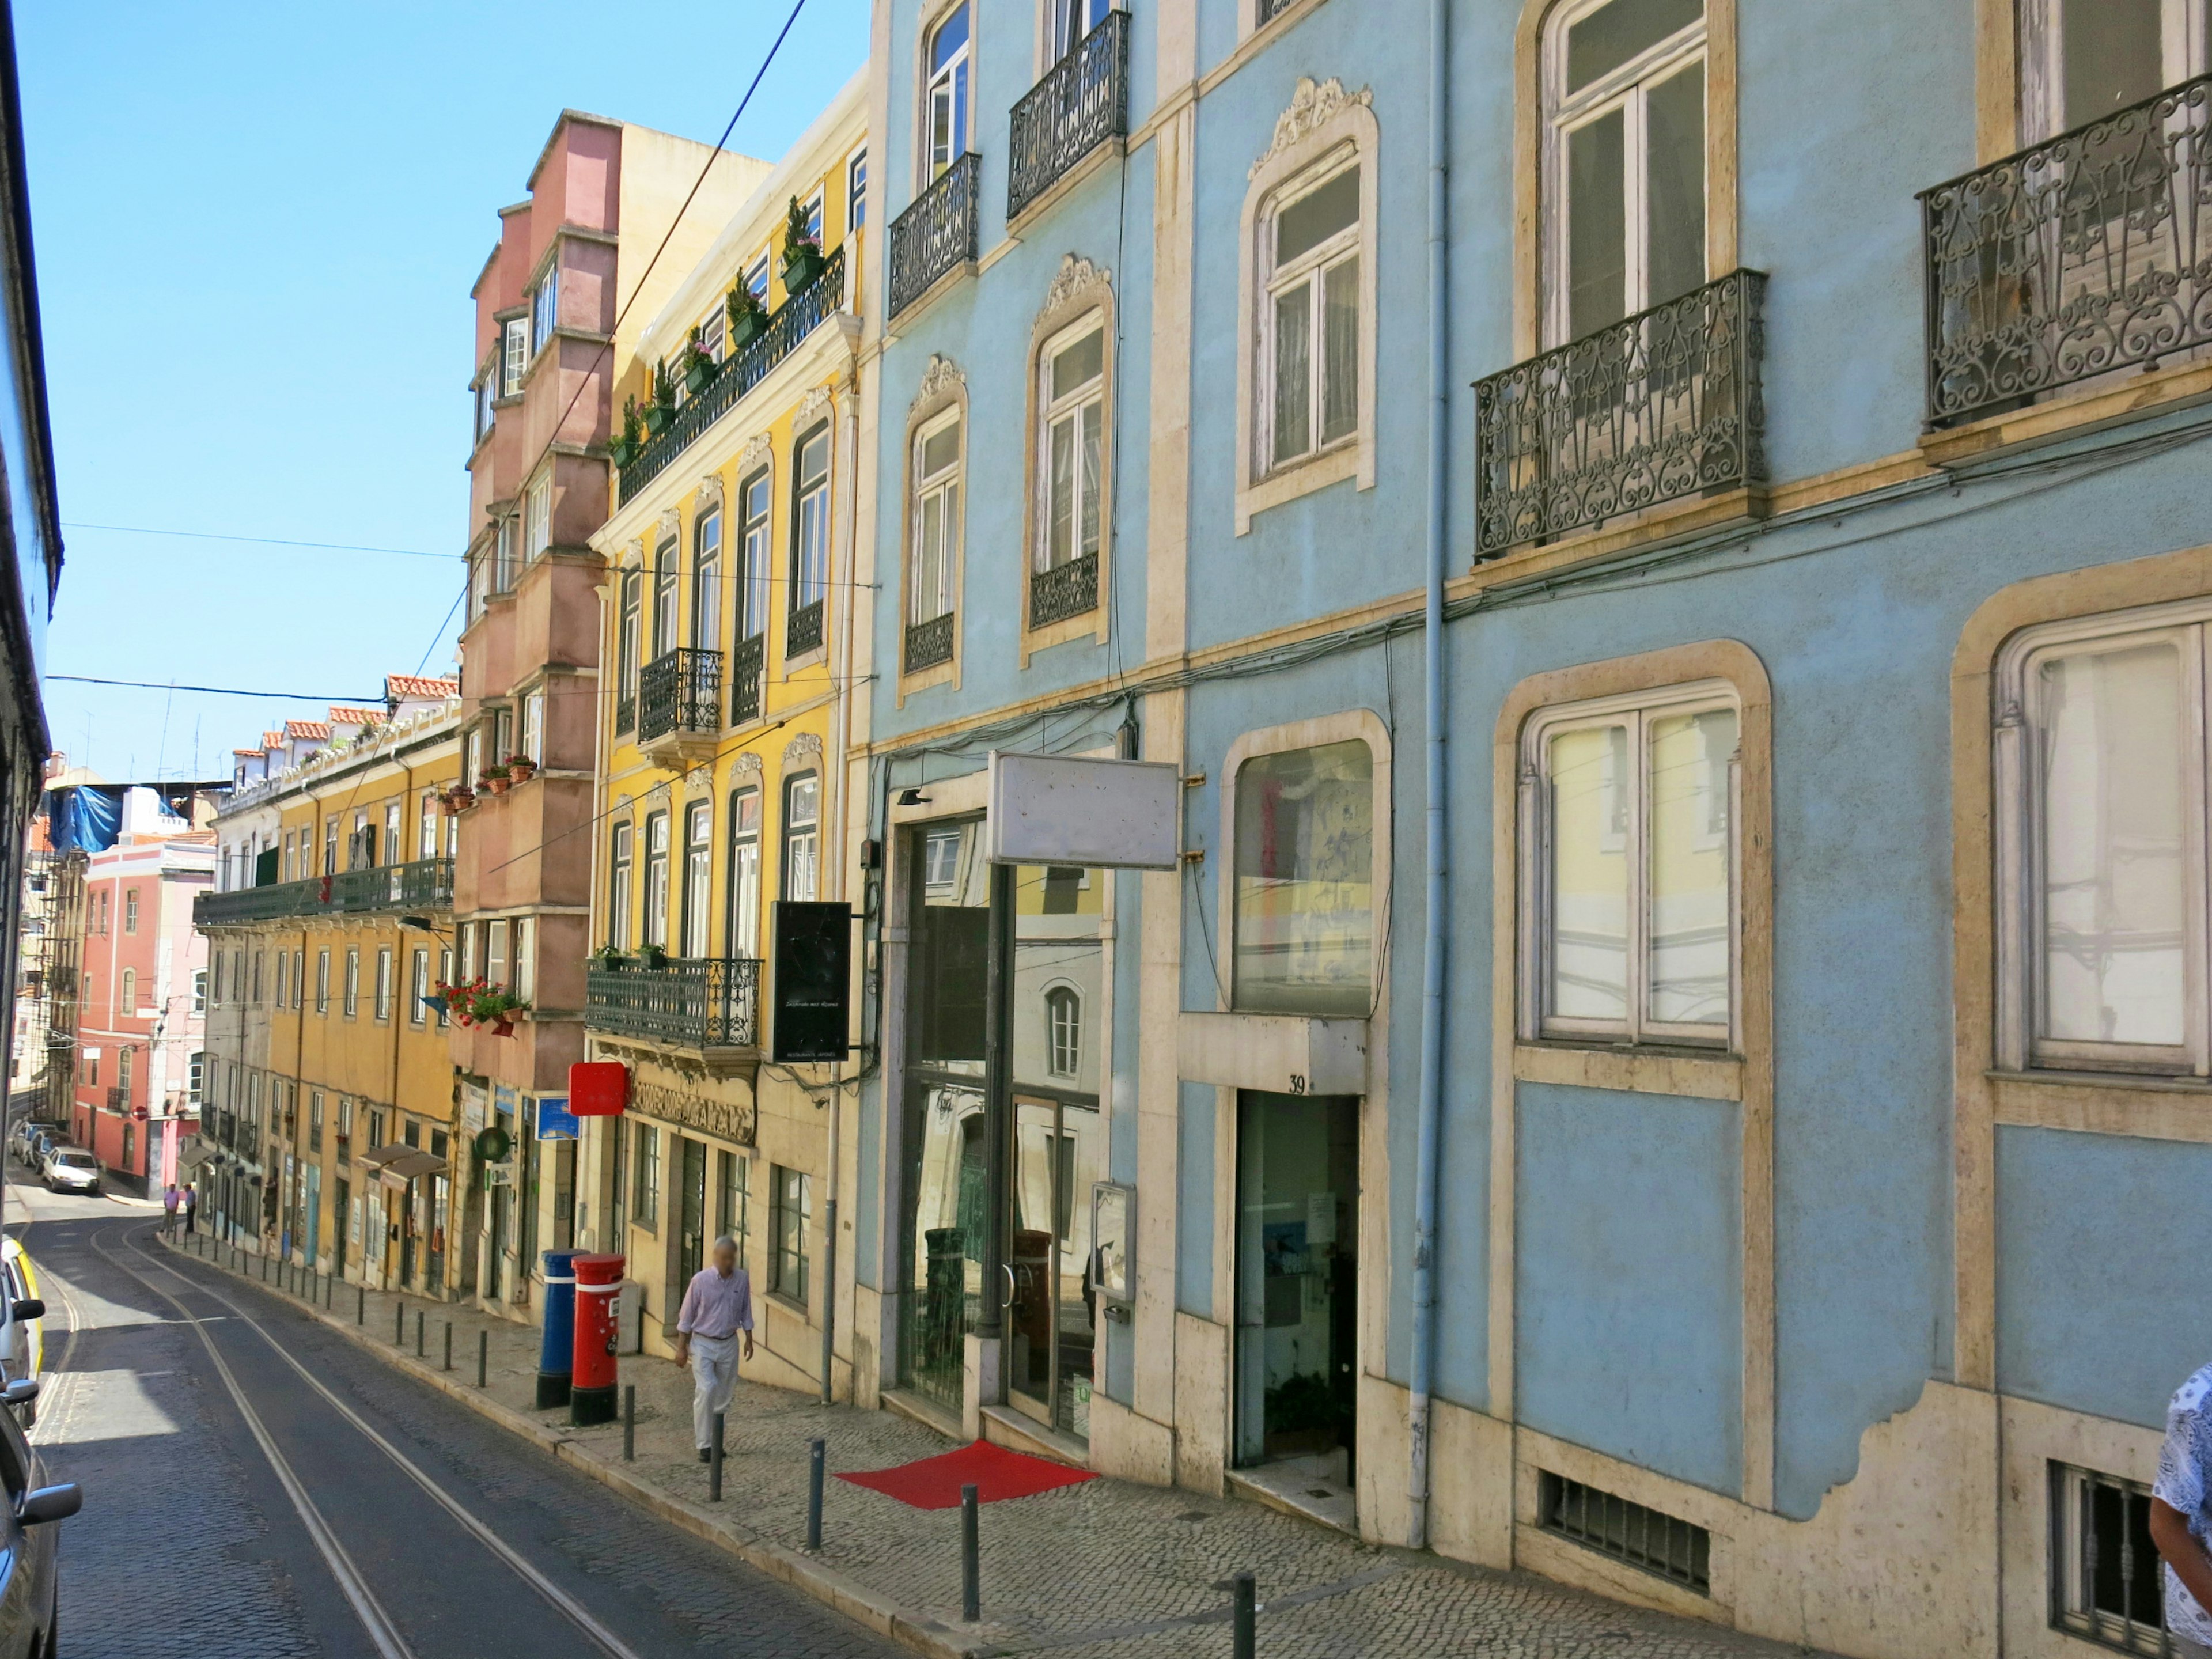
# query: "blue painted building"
(1798, 1030)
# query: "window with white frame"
(811, 208)
(2102, 815)
(525, 958)
(539, 526)
(707, 580)
(1063, 1018)
(656, 880)
(1304, 872)
(945, 103)
(1309, 354)
(802, 837)
(809, 519)
(507, 534)
(936, 519)
(352, 1006)
(486, 393)
(533, 725)
(1072, 20)
(545, 307)
(2082, 59)
(418, 985)
(1631, 868)
(756, 278)
(743, 900)
(515, 355)
(384, 983)
(758, 550)
(628, 645)
(665, 560)
(1071, 447)
(698, 875)
(618, 886)
(1625, 166)
(856, 192)
(712, 332)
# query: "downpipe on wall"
(1436, 891)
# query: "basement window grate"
(2107, 1585)
(1675, 1550)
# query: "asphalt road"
(233, 1506)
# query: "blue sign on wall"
(555, 1121)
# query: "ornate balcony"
(699, 1003)
(929, 643)
(803, 632)
(2089, 253)
(1065, 590)
(1661, 406)
(1081, 102)
(680, 704)
(936, 233)
(747, 658)
(788, 325)
(424, 884)
(625, 714)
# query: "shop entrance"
(1052, 1320)
(691, 1224)
(1297, 1285)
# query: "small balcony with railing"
(2087, 256)
(422, 885)
(1064, 590)
(707, 1006)
(1663, 409)
(786, 329)
(748, 665)
(1079, 108)
(679, 705)
(936, 235)
(928, 644)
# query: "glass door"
(691, 1229)
(1052, 1319)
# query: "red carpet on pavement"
(996, 1473)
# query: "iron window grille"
(1065, 590)
(936, 232)
(680, 690)
(2088, 252)
(747, 659)
(929, 643)
(696, 1002)
(1270, 9)
(2106, 1585)
(789, 325)
(802, 631)
(1658, 407)
(1673, 1549)
(1082, 101)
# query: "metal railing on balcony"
(791, 322)
(118, 1098)
(1065, 590)
(937, 233)
(2089, 253)
(690, 1002)
(748, 657)
(802, 632)
(928, 643)
(680, 690)
(1082, 101)
(1661, 406)
(625, 713)
(424, 884)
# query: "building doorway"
(1052, 1320)
(344, 1225)
(945, 1206)
(1297, 1300)
(691, 1218)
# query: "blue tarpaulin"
(86, 818)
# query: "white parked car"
(71, 1169)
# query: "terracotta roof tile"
(311, 729)
(273, 739)
(405, 688)
(347, 716)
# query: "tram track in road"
(381, 1630)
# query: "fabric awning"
(373, 1161)
(411, 1165)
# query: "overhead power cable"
(258, 541)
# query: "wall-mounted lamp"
(913, 798)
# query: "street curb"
(915, 1631)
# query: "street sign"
(555, 1121)
(1069, 810)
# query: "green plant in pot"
(631, 439)
(802, 251)
(698, 368)
(662, 406)
(607, 956)
(654, 957)
(748, 317)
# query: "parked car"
(22, 1321)
(71, 1169)
(30, 1597)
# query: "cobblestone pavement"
(188, 1545)
(1104, 1569)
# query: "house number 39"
(1297, 1083)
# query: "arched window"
(802, 837)
(665, 560)
(741, 930)
(936, 520)
(628, 647)
(618, 886)
(707, 580)
(945, 139)
(753, 506)
(129, 993)
(1063, 1018)
(1071, 444)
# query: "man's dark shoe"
(705, 1455)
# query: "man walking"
(169, 1211)
(2179, 1516)
(717, 1305)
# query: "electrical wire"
(257, 541)
(225, 690)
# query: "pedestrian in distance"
(718, 1305)
(2181, 1517)
(169, 1211)
(188, 1202)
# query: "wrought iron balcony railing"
(788, 325)
(1662, 405)
(937, 233)
(1065, 590)
(118, 1098)
(688, 1002)
(929, 643)
(625, 713)
(748, 657)
(679, 691)
(802, 633)
(424, 884)
(2089, 253)
(1082, 101)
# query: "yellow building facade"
(727, 610)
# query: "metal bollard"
(815, 1459)
(629, 1422)
(714, 1463)
(399, 1326)
(1244, 1618)
(971, 1565)
(421, 1350)
(484, 1354)
(330, 1289)
(361, 1304)
(449, 1345)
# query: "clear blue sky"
(256, 228)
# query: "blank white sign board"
(1105, 814)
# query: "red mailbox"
(598, 1088)
(591, 1395)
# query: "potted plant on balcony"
(699, 369)
(497, 1008)
(459, 998)
(520, 768)
(495, 778)
(662, 409)
(631, 439)
(609, 957)
(459, 798)
(654, 957)
(802, 251)
(748, 318)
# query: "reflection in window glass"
(1589, 771)
(1305, 882)
(1689, 898)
